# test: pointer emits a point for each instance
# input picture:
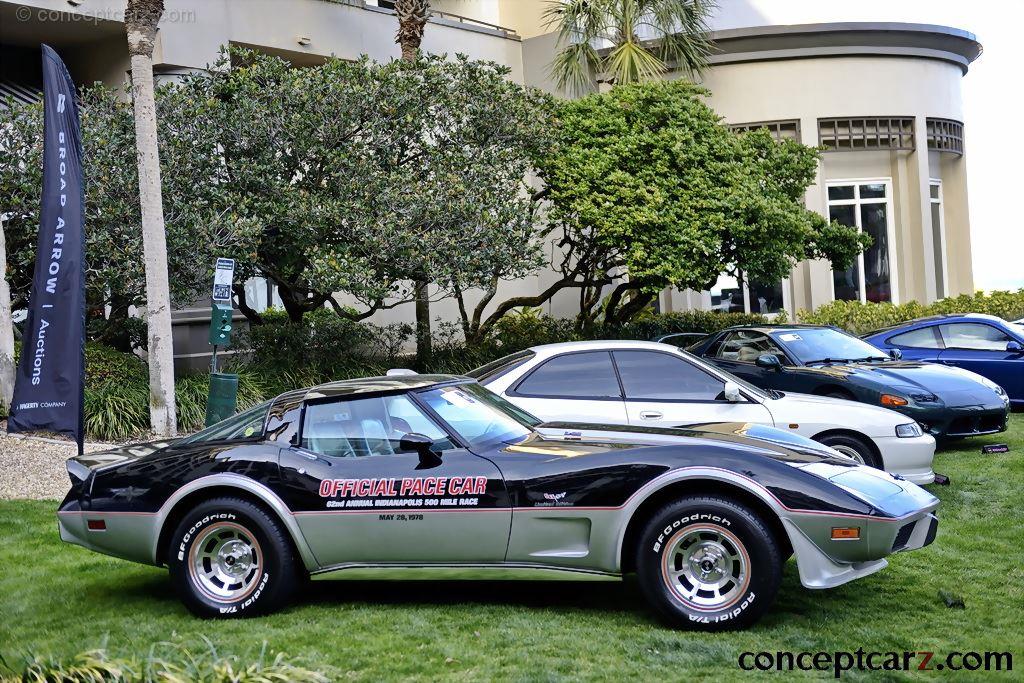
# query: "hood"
(584, 438)
(954, 386)
(889, 493)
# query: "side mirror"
(895, 354)
(422, 444)
(732, 392)
(1014, 347)
(768, 361)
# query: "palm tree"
(412, 20)
(644, 38)
(140, 19)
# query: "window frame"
(721, 340)
(681, 359)
(943, 253)
(936, 333)
(456, 440)
(514, 389)
(786, 304)
(890, 231)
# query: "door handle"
(650, 415)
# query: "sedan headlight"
(909, 430)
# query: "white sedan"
(657, 385)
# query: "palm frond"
(631, 62)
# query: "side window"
(974, 336)
(745, 346)
(923, 338)
(574, 375)
(366, 426)
(648, 375)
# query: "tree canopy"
(645, 182)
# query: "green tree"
(627, 41)
(646, 189)
(364, 178)
(198, 226)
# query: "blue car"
(984, 344)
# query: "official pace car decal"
(407, 492)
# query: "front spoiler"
(824, 563)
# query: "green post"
(223, 396)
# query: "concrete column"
(920, 203)
(959, 265)
(810, 279)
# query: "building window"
(945, 135)
(780, 130)
(729, 296)
(938, 237)
(867, 206)
(855, 134)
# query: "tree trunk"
(6, 330)
(162, 414)
(423, 331)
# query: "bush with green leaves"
(861, 318)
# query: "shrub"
(323, 347)
(861, 318)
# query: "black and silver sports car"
(436, 471)
(814, 359)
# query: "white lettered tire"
(709, 564)
(229, 558)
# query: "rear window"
(497, 368)
(924, 338)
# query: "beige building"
(882, 99)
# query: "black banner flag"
(48, 391)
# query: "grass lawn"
(58, 599)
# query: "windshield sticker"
(458, 398)
(789, 336)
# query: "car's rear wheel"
(853, 447)
(709, 564)
(229, 558)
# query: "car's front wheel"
(853, 447)
(229, 558)
(709, 564)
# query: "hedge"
(864, 318)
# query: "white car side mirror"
(732, 392)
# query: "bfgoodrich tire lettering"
(229, 558)
(708, 564)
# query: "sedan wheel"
(852, 447)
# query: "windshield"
(246, 424)
(821, 345)
(478, 416)
(726, 375)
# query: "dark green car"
(810, 359)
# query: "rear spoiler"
(81, 467)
